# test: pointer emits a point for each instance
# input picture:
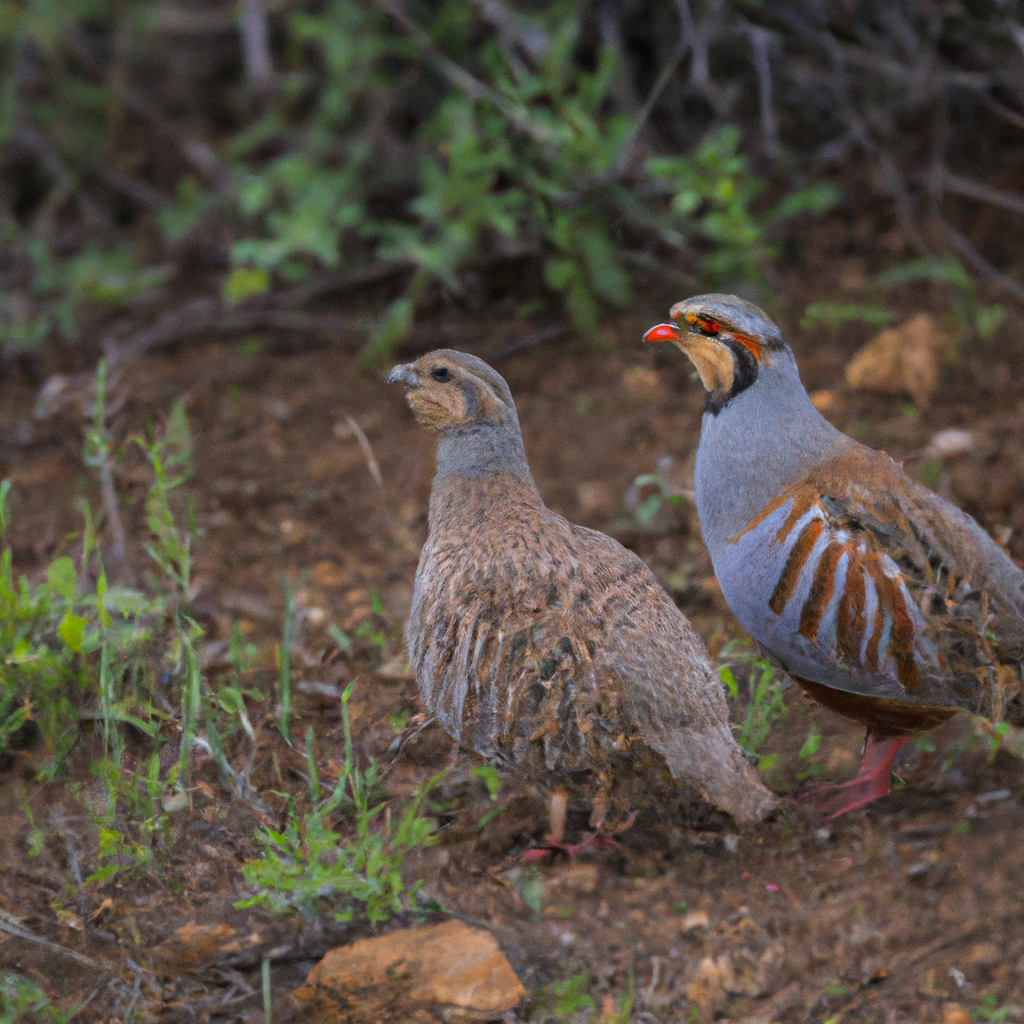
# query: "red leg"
(870, 783)
(596, 841)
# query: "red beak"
(663, 332)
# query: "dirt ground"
(908, 911)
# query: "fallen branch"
(992, 275)
(969, 189)
(7, 925)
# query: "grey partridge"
(886, 603)
(548, 648)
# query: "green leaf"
(815, 199)
(948, 271)
(341, 639)
(62, 577)
(558, 273)
(488, 775)
(648, 509)
(245, 281)
(727, 677)
(835, 313)
(72, 631)
(392, 328)
(811, 744)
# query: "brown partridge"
(886, 603)
(545, 647)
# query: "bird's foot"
(586, 844)
(594, 841)
(870, 784)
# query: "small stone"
(707, 989)
(581, 878)
(984, 954)
(451, 968)
(276, 408)
(193, 944)
(947, 443)
(292, 531)
(954, 1013)
(823, 400)
(328, 575)
(693, 920)
(172, 803)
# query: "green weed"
(659, 492)
(988, 1011)
(22, 1000)
(563, 999)
(973, 318)
(308, 866)
(712, 197)
(765, 704)
(77, 650)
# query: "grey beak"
(403, 374)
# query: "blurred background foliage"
(176, 167)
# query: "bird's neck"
(477, 466)
(762, 441)
(483, 450)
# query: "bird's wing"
(879, 587)
(643, 641)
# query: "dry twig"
(13, 928)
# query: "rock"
(405, 975)
(707, 988)
(954, 1013)
(693, 920)
(823, 400)
(901, 359)
(195, 944)
(945, 444)
(577, 877)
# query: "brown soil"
(907, 911)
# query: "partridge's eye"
(441, 373)
(708, 326)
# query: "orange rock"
(193, 944)
(329, 575)
(904, 358)
(399, 976)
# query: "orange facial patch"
(751, 344)
(714, 327)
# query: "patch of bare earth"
(908, 911)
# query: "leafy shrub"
(502, 143)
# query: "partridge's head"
(726, 338)
(448, 389)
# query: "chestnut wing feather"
(885, 581)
